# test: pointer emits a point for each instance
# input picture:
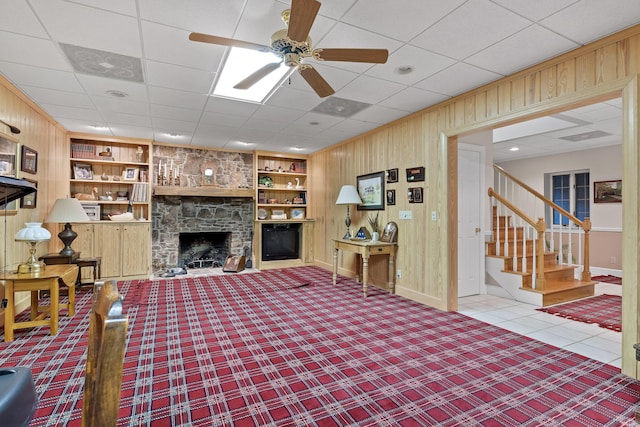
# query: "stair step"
(559, 291)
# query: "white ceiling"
(453, 46)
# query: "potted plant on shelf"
(373, 222)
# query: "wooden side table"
(56, 259)
(365, 249)
(47, 279)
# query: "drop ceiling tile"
(277, 114)
(35, 76)
(424, 64)
(354, 127)
(259, 20)
(176, 98)
(132, 131)
(169, 112)
(169, 136)
(413, 99)
(378, 114)
(218, 17)
(116, 118)
(177, 77)
(120, 105)
(57, 97)
(32, 51)
(402, 19)
(457, 79)
(322, 121)
(530, 46)
(170, 125)
(220, 119)
(124, 7)
(335, 9)
(294, 98)
(80, 126)
(16, 16)
(60, 111)
(462, 33)
(369, 90)
(535, 10)
(79, 25)
(588, 20)
(228, 106)
(100, 86)
(336, 77)
(266, 125)
(172, 46)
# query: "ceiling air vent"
(104, 64)
(340, 107)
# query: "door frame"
(629, 89)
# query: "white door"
(470, 214)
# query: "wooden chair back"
(105, 357)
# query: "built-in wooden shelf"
(203, 191)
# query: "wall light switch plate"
(434, 215)
(405, 215)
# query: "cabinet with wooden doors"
(125, 247)
(110, 175)
(283, 233)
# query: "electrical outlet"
(612, 260)
(399, 274)
(405, 215)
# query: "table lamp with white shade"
(67, 211)
(32, 234)
(348, 196)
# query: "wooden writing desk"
(366, 249)
(47, 279)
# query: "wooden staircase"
(558, 284)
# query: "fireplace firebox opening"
(205, 249)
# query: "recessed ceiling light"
(117, 93)
(297, 148)
(403, 69)
(173, 135)
(314, 123)
(99, 127)
(244, 143)
(514, 149)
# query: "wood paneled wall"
(427, 252)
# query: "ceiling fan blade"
(374, 56)
(315, 80)
(303, 13)
(257, 76)
(223, 41)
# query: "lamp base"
(67, 236)
(31, 268)
(347, 236)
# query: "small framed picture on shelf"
(82, 171)
(297, 213)
(130, 174)
(29, 201)
(29, 160)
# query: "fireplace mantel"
(203, 191)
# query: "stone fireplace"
(200, 218)
(203, 249)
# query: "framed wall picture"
(415, 174)
(607, 191)
(371, 190)
(28, 160)
(29, 201)
(415, 195)
(392, 175)
(130, 174)
(391, 197)
(82, 171)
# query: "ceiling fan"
(294, 46)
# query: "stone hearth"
(172, 215)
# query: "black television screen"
(280, 241)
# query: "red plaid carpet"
(615, 280)
(603, 310)
(259, 349)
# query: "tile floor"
(582, 338)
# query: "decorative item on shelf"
(297, 213)
(265, 181)
(121, 196)
(348, 196)
(67, 211)
(139, 154)
(262, 214)
(82, 171)
(130, 173)
(120, 216)
(298, 201)
(362, 234)
(373, 222)
(298, 186)
(116, 178)
(289, 184)
(292, 167)
(104, 177)
(106, 153)
(279, 168)
(29, 201)
(278, 214)
(32, 234)
(209, 177)
(390, 233)
(87, 196)
(273, 201)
